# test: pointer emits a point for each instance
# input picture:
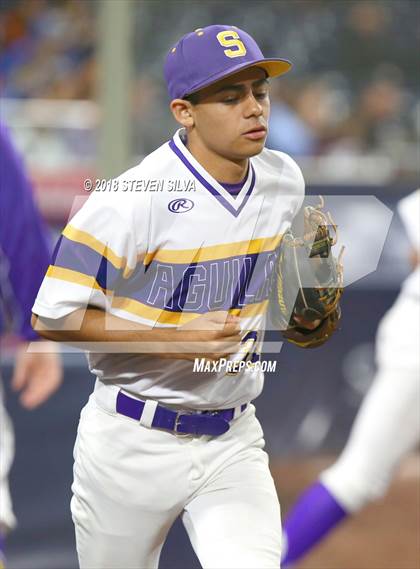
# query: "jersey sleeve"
(98, 250)
(296, 180)
(288, 175)
(24, 242)
(408, 209)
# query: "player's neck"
(220, 168)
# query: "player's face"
(231, 117)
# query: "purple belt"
(204, 423)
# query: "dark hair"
(193, 98)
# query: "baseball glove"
(308, 281)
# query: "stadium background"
(82, 91)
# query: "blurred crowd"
(353, 90)
(354, 87)
(47, 49)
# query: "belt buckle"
(179, 414)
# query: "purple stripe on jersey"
(78, 257)
(218, 284)
(24, 247)
(209, 187)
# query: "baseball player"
(24, 257)
(172, 264)
(387, 426)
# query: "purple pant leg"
(315, 514)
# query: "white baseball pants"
(387, 425)
(132, 482)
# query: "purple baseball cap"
(209, 54)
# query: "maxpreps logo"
(180, 206)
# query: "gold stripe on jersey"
(162, 316)
(250, 309)
(150, 313)
(214, 252)
(74, 277)
(138, 308)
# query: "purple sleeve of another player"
(24, 247)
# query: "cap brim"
(273, 68)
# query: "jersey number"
(230, 38)
(247, 351)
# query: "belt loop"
(236, 412)
(148, 413)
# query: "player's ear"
(182, 111)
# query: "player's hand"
(37, 375)
(213, 335)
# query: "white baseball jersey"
(409, 210)
(398, 334)
(165, 244)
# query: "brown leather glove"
(308, 282)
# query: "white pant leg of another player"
(387, 427)
(130, 484)
(7, 449)
(233, 515)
